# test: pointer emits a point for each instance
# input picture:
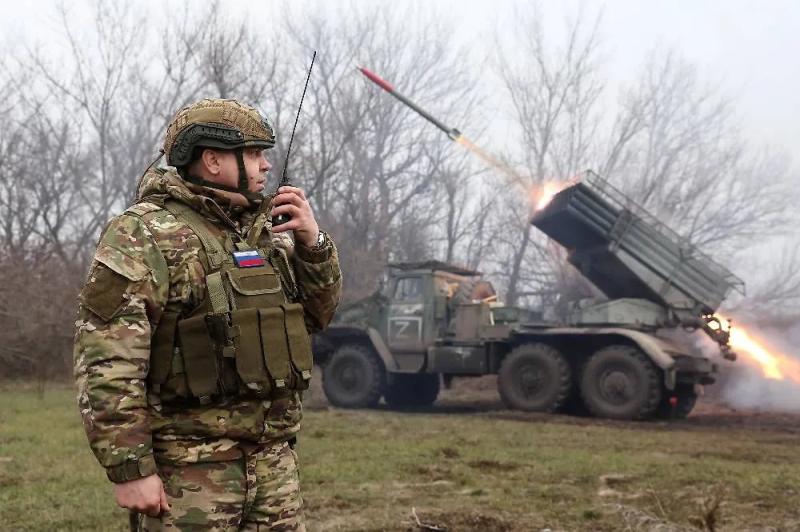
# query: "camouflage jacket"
(150, 267)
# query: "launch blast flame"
(540, 195)
(547, 192)
(755, 352)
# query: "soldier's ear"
(210, 159)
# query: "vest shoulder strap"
(215, 250)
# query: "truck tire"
(411, 391)
(620, 382)
(354, 377)
(534, 377)
(685, 399)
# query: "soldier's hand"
(292, 201)
(144, 495)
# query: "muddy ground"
(727, 464)
(479, 396)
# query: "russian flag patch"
(248, 259)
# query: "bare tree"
(387, 184)
(776, 296)
(677, 151)
(89, 91)
(553, 95)
(37, 252)
(674, 147)
(17, 219)
(369, 161)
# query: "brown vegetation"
(83, 116)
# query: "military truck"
(616, 358)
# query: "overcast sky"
(748, 48)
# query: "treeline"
(83, 117)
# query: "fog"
(715, 87)
(746, 47)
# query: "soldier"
(191, 345)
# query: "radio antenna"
(284, 180)
(283, 218)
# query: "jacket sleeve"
(119, 306)
(320, 280)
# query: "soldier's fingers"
(293, 199)
(291, 225)
(153, 507)
(294, 190)
(291, 210)
(164, 502)
(142, 507)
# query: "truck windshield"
(408, 288)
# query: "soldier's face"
(255, 164)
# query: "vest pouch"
(256, 287)
(299, 345)
(275, 346)
(162, 348)
(250, 363)
(199, 358)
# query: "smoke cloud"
(743, 385)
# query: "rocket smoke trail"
(451, 132)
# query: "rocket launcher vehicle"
(628, 254)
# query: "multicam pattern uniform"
(139, 271)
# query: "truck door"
(406, 320)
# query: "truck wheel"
(681, 406)
(534, 377)
(620, 382)
(354, 377)
(411, 391)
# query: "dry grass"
(367, 470)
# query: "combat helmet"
(221, 124)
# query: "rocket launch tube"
(451, 132)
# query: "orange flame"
(539, 195)
(544, 194)
(755, 352)
(542, 197)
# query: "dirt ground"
(479, 396)
(713, 452)
(467, 463)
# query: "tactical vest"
(247, 338)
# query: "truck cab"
(422, 307)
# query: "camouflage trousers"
(260, 491)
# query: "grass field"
(483, 469)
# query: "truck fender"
(657, 349)
(383, 351)
(337, 335)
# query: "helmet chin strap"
(253, 198)
(243, 188)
